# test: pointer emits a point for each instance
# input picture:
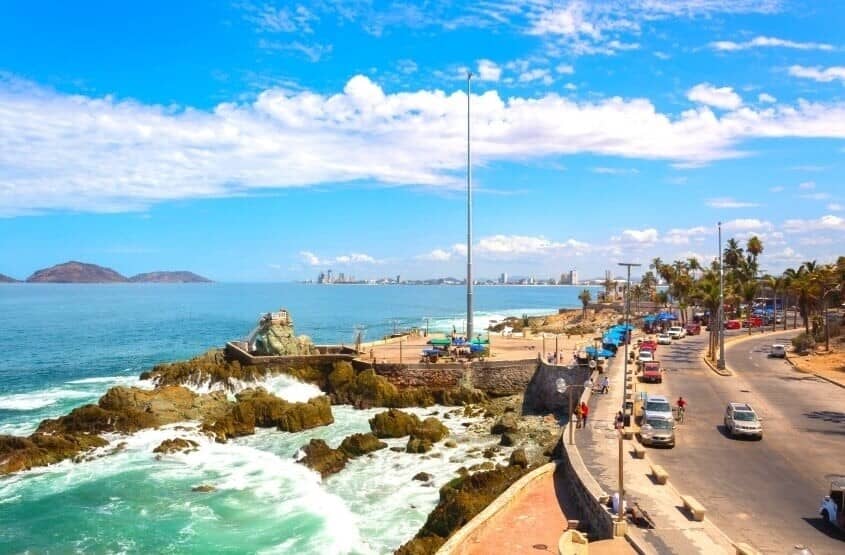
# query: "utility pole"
(620, 513)
(469, 214)
(720, 364)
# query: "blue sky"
(255, 141)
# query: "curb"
(819, 376)
(730, 341)
(725, 373)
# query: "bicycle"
(680, 413)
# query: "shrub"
(803, 343)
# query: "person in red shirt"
(585, 411)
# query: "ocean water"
(65, 345)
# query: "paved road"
(764, 492)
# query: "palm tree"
(585, 297)
(706, 293)
(609, 285)
(748, 291)
(733, 254)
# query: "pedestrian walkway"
(598, 445)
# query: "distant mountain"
(169, 277)
(76, 272)
(6, 279)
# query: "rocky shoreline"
(525, 441)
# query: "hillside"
(76, 272)
(6, 279)
(169, 277)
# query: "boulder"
(451, 443)
(176, 445)
(431, 429)
(507, 423)
(422, 476)
(462, 396)
(508, 439)
(360, 444)
(341, 376)
(22, 453)
(322, 458)
(418, 445)
(394, 423)
(204, 488)
(518, 458)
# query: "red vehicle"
(733, 325)
(693, 329)
(652, 372)
(753, 322)
(649, 345)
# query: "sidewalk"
(599, 448)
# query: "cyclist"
(682, 406)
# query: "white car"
(657, 406)
(677, 332)
(664, 339)
(741, 420)
(778, 350)
(645, 356)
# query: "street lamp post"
(720, 364)
(629, 265)
(469, 216)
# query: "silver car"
(658, 430)
(742, 420)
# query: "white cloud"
(835, 207)
(823, 75)
(719, 97)
(728, 202)
(776, 189)
(825, 223)
(816, 196)
(768, 42)
(565, 69)
(407, 66)
(807, 185)
(536, 74)
(312, 259)
(683, 236)
(615, 171)
(437, 255)
(78, 153)
(766, 98)
(488, 70)
(640, 235)
(748, 224)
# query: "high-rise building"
(398, 280)
(573, 277)
(503, 279)
(329, 277)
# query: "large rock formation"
(460, 500)
(394, 423)
(275, 336)
(361, 444)
(322, 458)
(257, 407)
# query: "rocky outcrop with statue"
(275, 336)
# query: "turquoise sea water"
(64, 345)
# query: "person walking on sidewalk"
(585, 411)
(620, 421)
(605, 384)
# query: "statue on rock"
(274, 336)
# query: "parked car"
(677, 332)
(833, 505)
(742, 420)
(664, 339)
(693, 329)
(657, 406)
(733, 325)
(778, 350)
(658, 430)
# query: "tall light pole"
(469, 215)
(620, 513)
(721, 362)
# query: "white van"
(778, 350)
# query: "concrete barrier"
(695, 508)
(660, 475)
(638, 451)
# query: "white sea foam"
(39, 399)
(482, 319)
(281, 385)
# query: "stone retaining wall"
(542, 396)
(494, 378)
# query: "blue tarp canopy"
(666, 317)
(649, 319)
(593, 352)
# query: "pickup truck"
(652, 372)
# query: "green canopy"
(440, 342)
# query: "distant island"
(81, 272)
(6, 279)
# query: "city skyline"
(294, 138)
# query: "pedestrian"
(576, 415)
(585, 411)
(620, 421)
(605, 384)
